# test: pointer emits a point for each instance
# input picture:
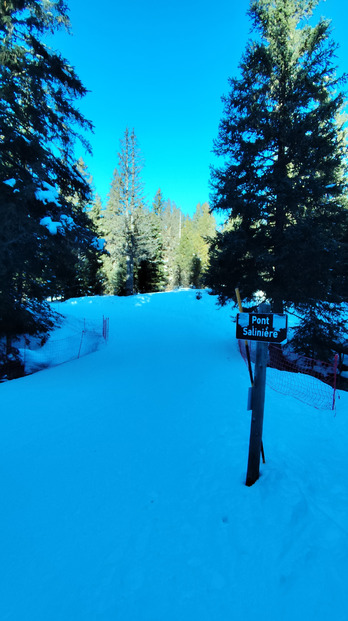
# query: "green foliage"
(159, 247)
(320, 333)
(171, 219)
(121, 216)
(118, 277)
(283, 183)
(134, 246)
(193, 250)
(196, 273)
(158, 204)
(112, 227)
(95, 213)
(185, 253)
(150, 252)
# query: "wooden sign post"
(257, 405)
(263, 327)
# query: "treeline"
(147, 247)
(281, 184)
(282, 177)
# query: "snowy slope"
(122, 481)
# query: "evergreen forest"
(282, 179)
(57, 239)
(147, 248)
(281, 186)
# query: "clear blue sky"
(161, 67)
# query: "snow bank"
(123, 481)
(73, 339)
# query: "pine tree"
(130, 166)
(149, 252)
(172, 219)
(96, 213)
(86, 276)
(158, 204)
(129, 226)
(114, 231)
(204, 227)
(282, 184)
(193, 250)
(42, 229)
(95, 277)
(185, 253)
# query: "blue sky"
(161, 68)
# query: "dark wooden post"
(258, 401)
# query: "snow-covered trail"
(123, 495)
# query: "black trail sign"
(267, 328)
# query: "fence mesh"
(84, 339)
(308, 380)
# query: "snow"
(123, 493)
(65, 223)
(99, 243)
(78, 338)
(47, 193)
(51, 226)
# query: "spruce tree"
(114, 231)
(133, 261)
(193, 250)
(130, 165)
(282, 184)
(204, 230)
(149, 275)
(86, 276)
(43, 229)
(158, 204)
(96, 213)
(172, 218)
(185, 253)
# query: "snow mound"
(123, 480)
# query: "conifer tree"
(113, 227)
(96, 213)
(204, 228)
(282, 184)
(42, 229)
(150, 252)
(158, 204)
(193, 250)
(185, 253)
(131, 200)
(133, 247)
(172, 219)
(94, 263)
(85, 276)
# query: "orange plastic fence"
(308, 380)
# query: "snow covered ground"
(123, 492)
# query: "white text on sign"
(270, 328)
